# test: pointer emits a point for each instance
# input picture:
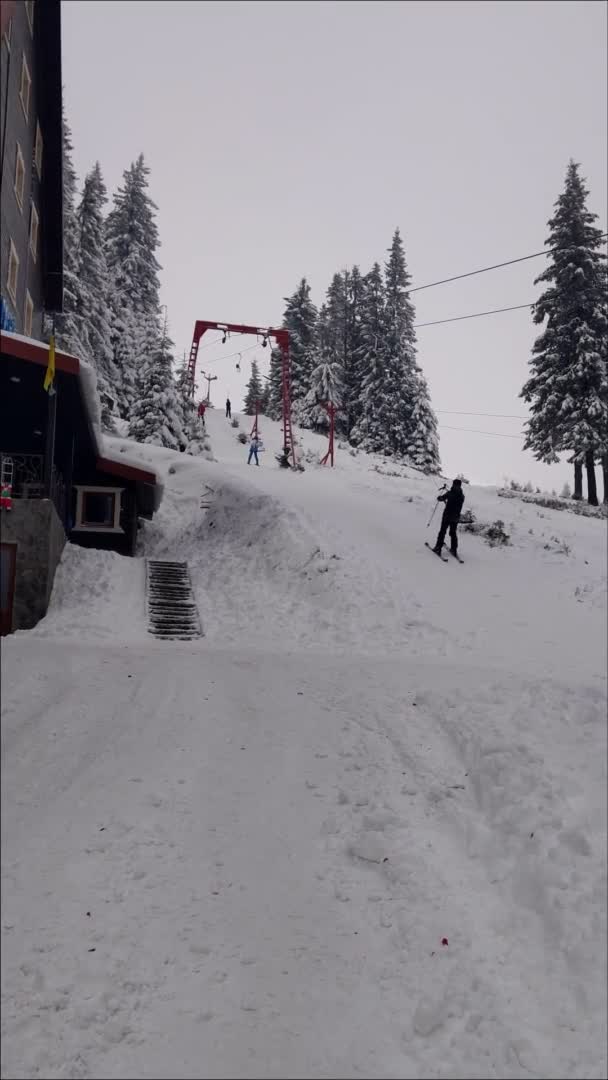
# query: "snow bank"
(97, 595)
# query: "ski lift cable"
(496, 266)
(475, 315)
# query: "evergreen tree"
(274, 395)
(568, 389)
(300, 320)
(423, 444)
(94, 281)
(70, 325)
(353, 374)
(254, 392)
(368, 429)
(157, 415)
(327, 379)
(131, 243)
(194, 433)
(395, 410)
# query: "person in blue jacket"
(254, 446)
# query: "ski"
(457, 557)
(434, 552)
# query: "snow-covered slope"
(357, 830)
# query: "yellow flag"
(50, 371)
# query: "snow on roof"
(121, 450)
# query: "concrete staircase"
(172, 611)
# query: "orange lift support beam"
(282, 339)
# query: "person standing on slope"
(254, 446)
(228, 409)
(453, 499)
(201, 412)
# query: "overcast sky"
(290, 139)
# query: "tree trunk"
(578, 480)
(591, 484)
(605, 472)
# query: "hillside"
(358, 829)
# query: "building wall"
(33, 524)
(15, 129)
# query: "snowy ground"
(239, 857)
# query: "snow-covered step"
(172, 611)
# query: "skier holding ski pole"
(453, 499)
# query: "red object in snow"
(201, 410)
(444, 941)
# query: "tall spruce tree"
(274, 394)
(327, 379)
(423, 444)
(157, 415)
(395, 410)
(70, 326)
(300, 319)
(568, 389)
(131, 244)
(368, 429)
(353, 377)
(254, 392)
(94, 281)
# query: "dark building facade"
(31, 199)
(60, 481)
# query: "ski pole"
(442, 488)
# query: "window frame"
(19, 160)
(34, 246)
(38, 150)
(28, 304)
(13, 257)
(81, 525)
(29, 11)
(25, 106)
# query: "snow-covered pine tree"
(423, 444)
(396, 414)
(300, 319)
(274, 394)
(254, 392)
(94, 282)
(157, 413)
(195, 436)
(70, 325)
(352, 372)
(131, 243)
(568, 389)
(327, 379)
(368, 429)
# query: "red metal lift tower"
(282, 339)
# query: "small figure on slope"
(201, 412)
(254, 447)
(228, 409)
(453, 499)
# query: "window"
(98, 509)
(8, 33)
(19, 177)
(28, 314)
(25, 88)
(38, 151)
(29, 11)
(34, 230)
(13, 273)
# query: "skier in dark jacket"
(453, 499)
(228, 409)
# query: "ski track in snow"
(239, 857)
